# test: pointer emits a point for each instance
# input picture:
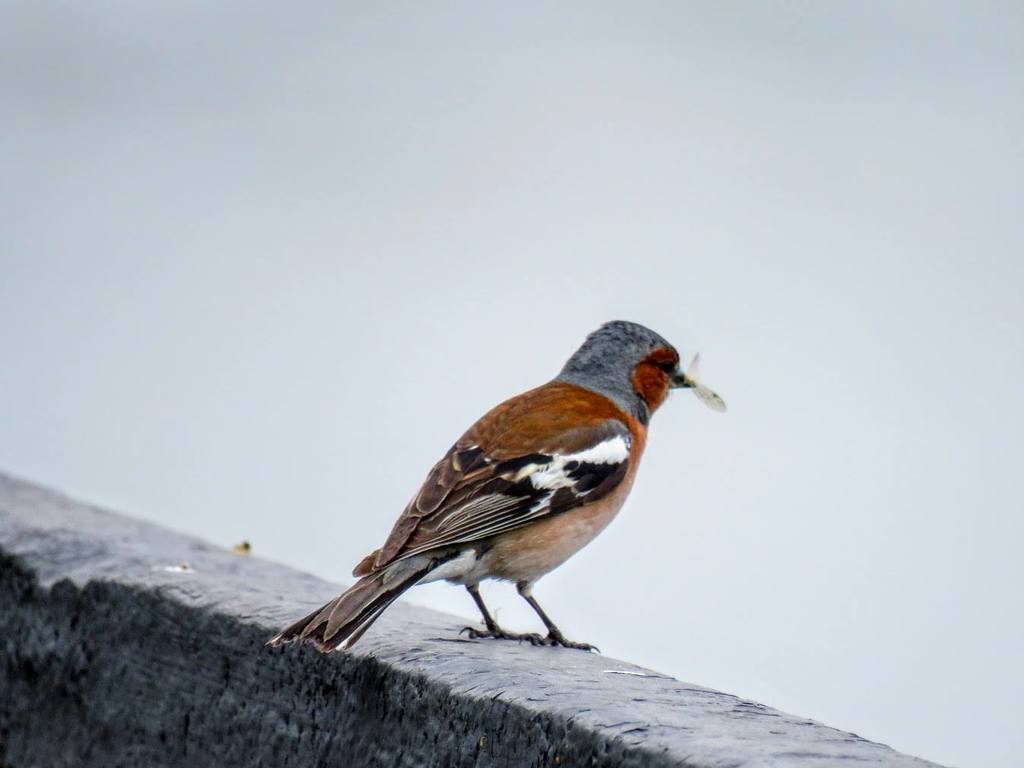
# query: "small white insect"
(705, 395)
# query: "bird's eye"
(667, 367)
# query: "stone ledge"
(114, 655)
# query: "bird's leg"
(555, 636)
(489, 622)
(493, 630)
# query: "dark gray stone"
(115, 655)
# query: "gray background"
(261, 264)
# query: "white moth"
(705, 395)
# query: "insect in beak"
(688, 380)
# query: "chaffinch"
(525, 488)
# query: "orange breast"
(528, 553)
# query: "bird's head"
(634, 367)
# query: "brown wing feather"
(557, 418)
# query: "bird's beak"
(680, 380)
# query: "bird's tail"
(341, 622)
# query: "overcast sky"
(261, 264)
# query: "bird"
(527, 486)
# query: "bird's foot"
(500, 634)
(551, 639)
(557, 638)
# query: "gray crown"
(605, 363)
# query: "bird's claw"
(500, 634)
(560, 639)
(551, 639)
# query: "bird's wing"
(498, 478)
